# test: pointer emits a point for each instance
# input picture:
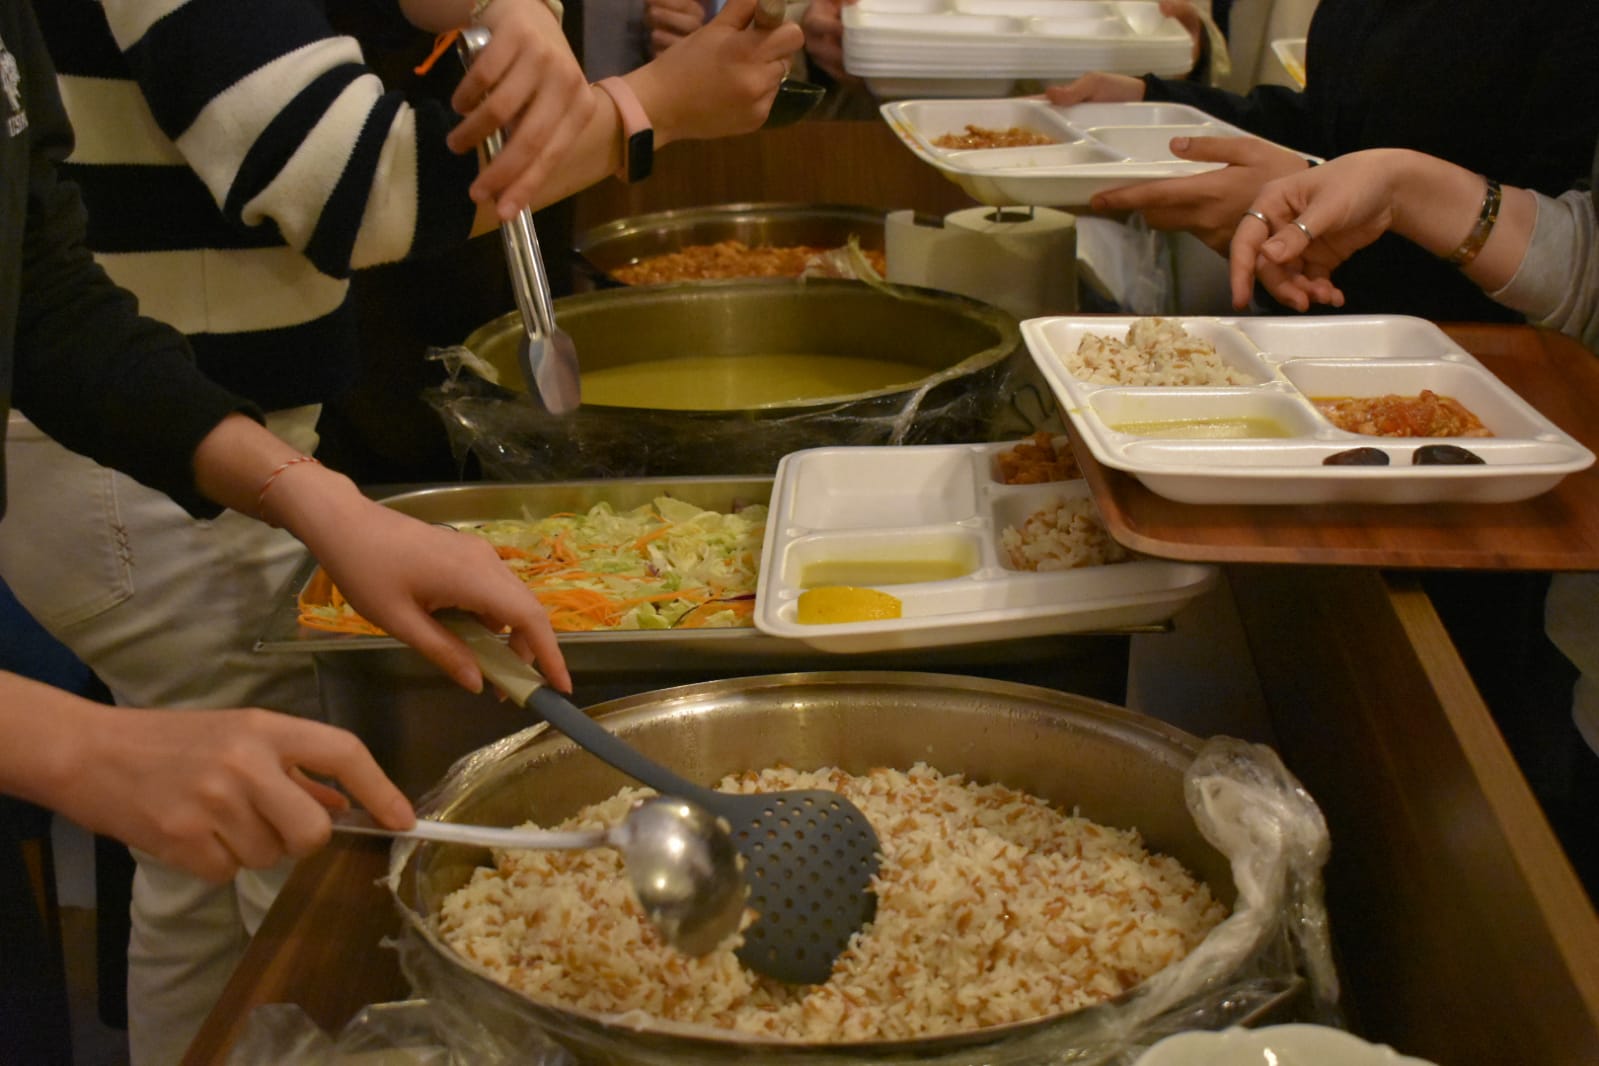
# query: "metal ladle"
(680, 861)
(809, 855)
(546, 353)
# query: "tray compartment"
(1062, 336)
(886, 557)
(1153, 143)
(1503, 413)
(834, 489)
(1218, 414)
(1362, 337)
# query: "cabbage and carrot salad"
(667, 564)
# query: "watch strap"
(638, 135)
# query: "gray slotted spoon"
(809, 855)
(680, 862)
(545, 352)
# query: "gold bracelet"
(1486, 217)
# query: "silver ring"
(1257, 214)
(1309, 236)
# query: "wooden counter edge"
(1465, 935)
(330, 906)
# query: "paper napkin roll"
(1023, 260)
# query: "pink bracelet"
(266, 486)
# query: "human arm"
(1208, 204)
(1349, 202)
(670, 21)
(208, 791)
(719, 82)
(285, 126)
(122, 389)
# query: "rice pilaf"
(1157, 351)
(993, 908)
(1062, 536)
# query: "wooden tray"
(1556, 531)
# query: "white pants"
(165, 609)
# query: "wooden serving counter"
(1462, 933)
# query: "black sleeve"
(89, 370)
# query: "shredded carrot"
(552, 565)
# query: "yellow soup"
(738, 382)
(1206, 428)
(882, 571)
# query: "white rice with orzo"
(1157, 351)
(993, 908)
(1061, 536)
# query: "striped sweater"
(239, 160)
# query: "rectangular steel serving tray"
(614, 653)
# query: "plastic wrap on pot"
(971, 352)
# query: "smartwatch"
(638, 136)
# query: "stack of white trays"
(985, 47)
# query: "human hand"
(1188, 15)
(1097, 87)
(823, 25)
(216, 790)
(397, 571)
(670, 21)
(1345, 204)
(722, 79)
(1209, 204)
(527, 83)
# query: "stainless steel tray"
(618, 652)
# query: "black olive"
(1357, 457)
(1445, 455)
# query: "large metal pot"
(625, 241)
(972, 353)
(1113, 765)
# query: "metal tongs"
(546, 354)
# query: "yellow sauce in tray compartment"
(738, 382)
(1206, 428)
(884, 571)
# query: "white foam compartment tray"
(1098, 146)
(1296, 359)
(871, 504)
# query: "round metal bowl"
(972, 353)
(625, 241)
(1114, 766)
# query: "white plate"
(1294, 359)
(942, 502)
(1099, 146)
(1285, 1045)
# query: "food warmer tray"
(1099, 146)
(1296, 359)
(614, 653)
(886, 507)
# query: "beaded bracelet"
(1486, 217)
(266, 486)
